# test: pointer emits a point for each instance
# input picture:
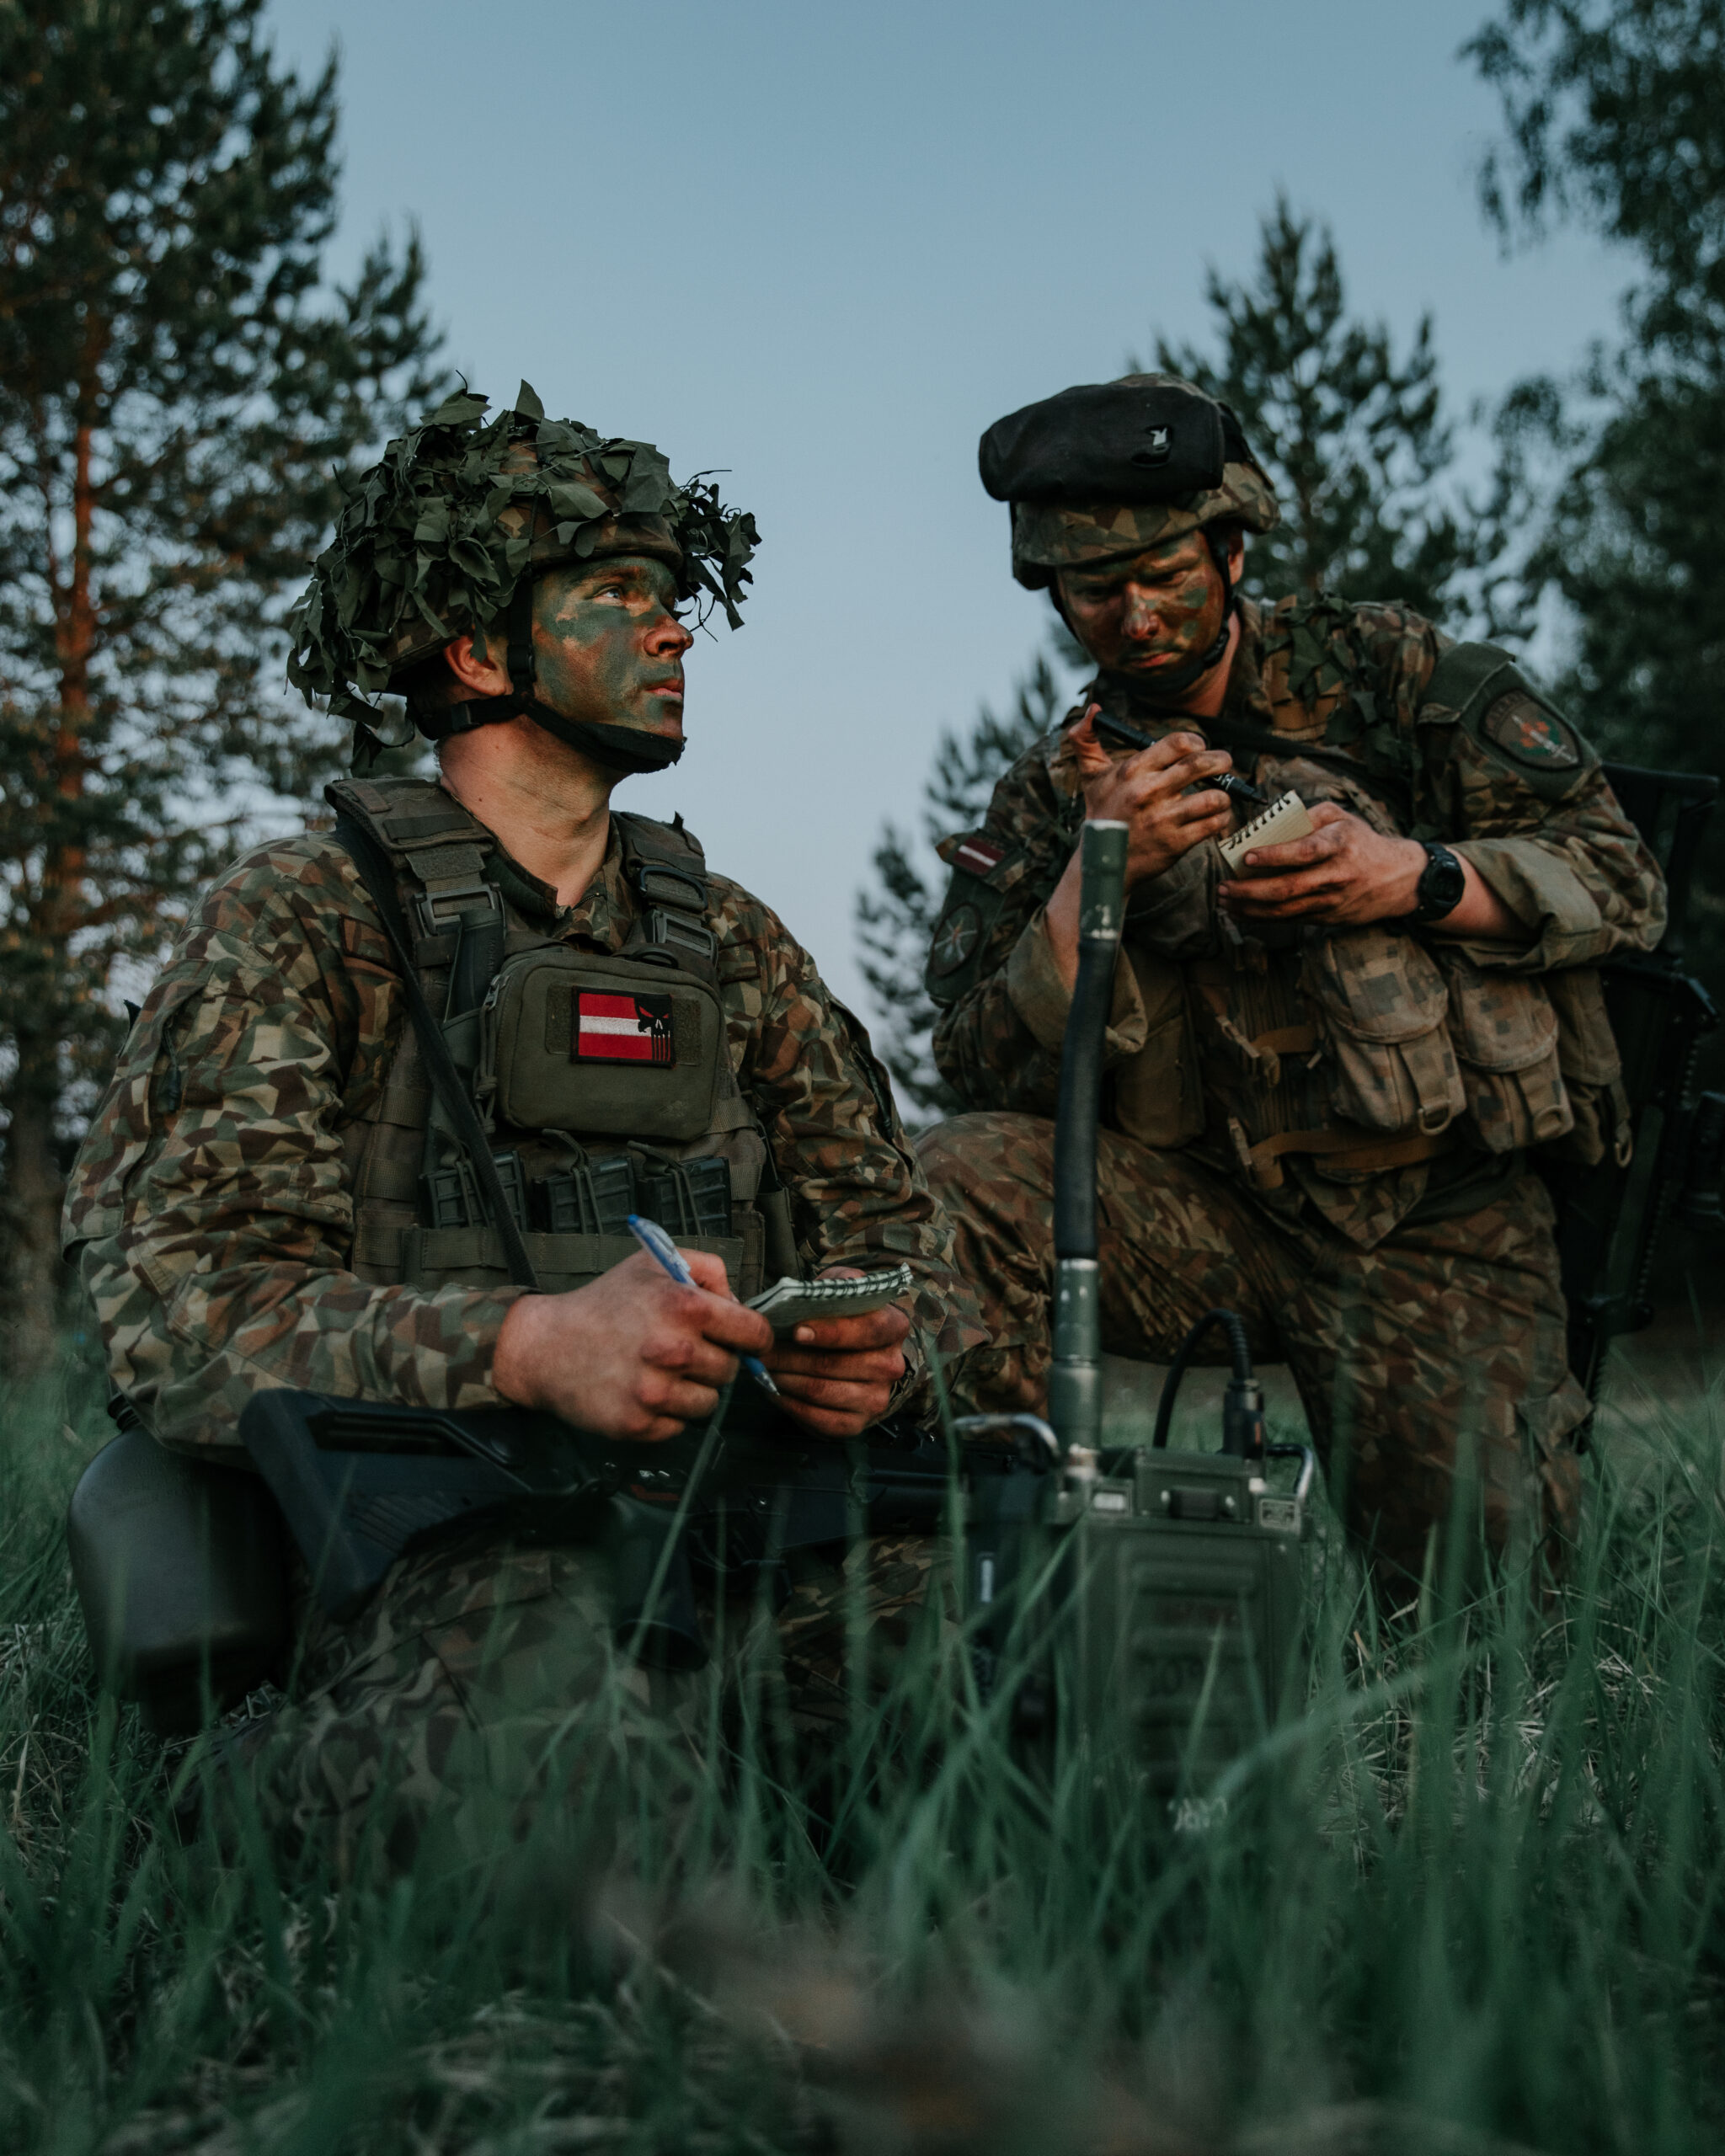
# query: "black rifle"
(360, 1483)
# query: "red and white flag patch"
(980, 855)
(622, 1028)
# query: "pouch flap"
(593, 1045)
(1375, 984)
(1498, 1021)
(1587, 1048)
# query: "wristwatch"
(1442, 886)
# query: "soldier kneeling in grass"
(274, 1193)
(1332, 1062)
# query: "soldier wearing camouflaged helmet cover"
(1328, 1073)
(272, 1194)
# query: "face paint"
(1150, 615)
(607, 646)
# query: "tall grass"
(1472, 1903)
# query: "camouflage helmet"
(459, 517)
(1101, 472)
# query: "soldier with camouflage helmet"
(1331, 1070)
(273, 1192)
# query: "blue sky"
(821, 246)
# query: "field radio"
(1129, 1593)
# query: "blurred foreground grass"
(1472, 1904)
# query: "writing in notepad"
(1283, 820)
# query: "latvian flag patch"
(622, 1028)
(979, 855)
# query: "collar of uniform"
(600, 915)
(1121, 697)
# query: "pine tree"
(1355, 437)
(178, 393)
(893, 924)
(1616, 119)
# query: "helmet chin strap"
(620, 749)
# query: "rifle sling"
(457, 1105)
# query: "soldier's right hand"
(1147, 791)
(634, 1354)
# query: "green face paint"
(1150, 615)
(608, 645)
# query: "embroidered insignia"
(954, 940)
(980, 855)
(622, 1028)
(1526, 731)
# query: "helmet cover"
(432, 541)
(1103, 471)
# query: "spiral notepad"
(789, 1302)
(1282, 821)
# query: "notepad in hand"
(787, 1303)
(1282, 821)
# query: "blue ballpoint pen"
(654, 1240)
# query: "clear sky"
(821, 246)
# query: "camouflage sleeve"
(209, 1207)
(991, 970)
(1517, 790)
(1572, 869)
(857, 1194)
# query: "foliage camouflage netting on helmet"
(433, 539)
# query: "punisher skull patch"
(1528, 734)
(622, 1028)
(954, 940)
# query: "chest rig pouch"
(623, 1047)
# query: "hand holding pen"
(631, 1354)
(654, 1240)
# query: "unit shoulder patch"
(1529, 734)
(955, 937)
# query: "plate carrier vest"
(603, 1079)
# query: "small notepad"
(789, 1302)
(1282, 821)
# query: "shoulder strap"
(441, 845)
(439, 849)
(664, 866)
(374, 873)
(1462, 676)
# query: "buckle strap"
(676, 931)
(1263, 1162)
(1288, 1040)
(661, 885)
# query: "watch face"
(1442, 886)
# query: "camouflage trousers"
(486, 1695)
(1447, 1339)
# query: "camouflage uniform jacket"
(1503, 778)
(211, 1206)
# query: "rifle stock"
(360, 1483)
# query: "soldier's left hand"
(1343, 871)
(837, 1374)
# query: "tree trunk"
(34, 1191)
(34, 1184)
